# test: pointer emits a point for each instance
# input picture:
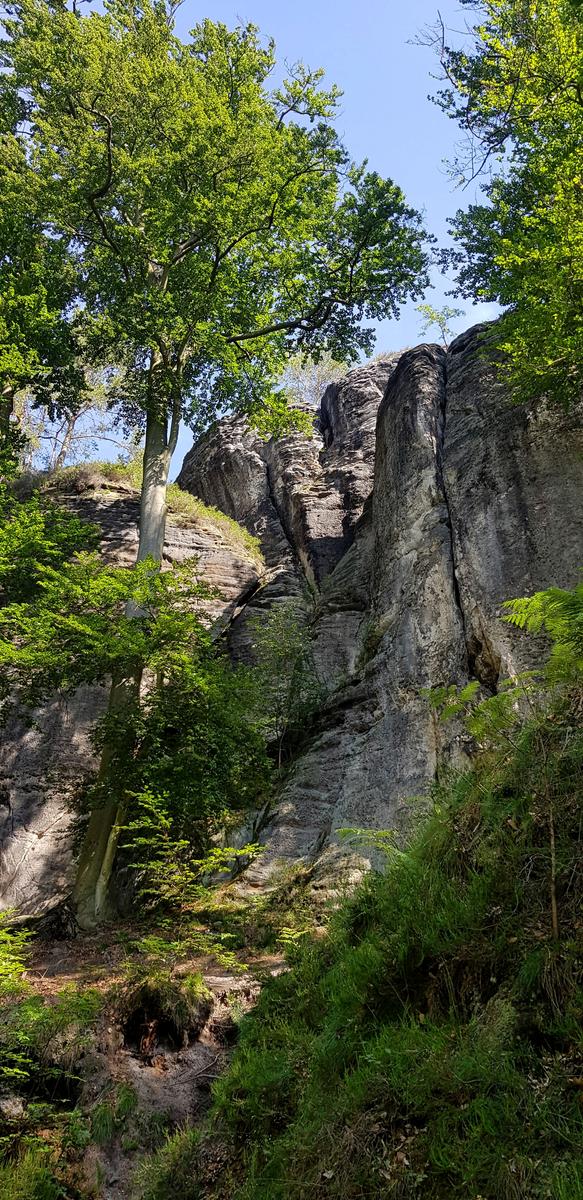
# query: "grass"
(29, 1179)
(182, 506)
(172, 1173)
(109, 1117)
(431, 1047)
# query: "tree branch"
(102, 191)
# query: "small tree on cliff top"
(218, 225)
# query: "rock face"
(301, 496)
(43, 759)
(410, 540)
(423, 500)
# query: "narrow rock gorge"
(424, 499)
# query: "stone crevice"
(300, 559)
(440, 448)
(472, 502)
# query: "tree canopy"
(38, 282)
(517, 92)
(217, 223)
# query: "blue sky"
(367, 49)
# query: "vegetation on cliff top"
(183, 507)
(516, 94)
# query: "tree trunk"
(90, 894)
(60, 457)
(7, 397)
(157, 454)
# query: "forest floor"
(142, 1069)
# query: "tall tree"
(516, 88)
(218, 226)
(305, 379)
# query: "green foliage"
(109, 1116)
(184, 752)
(198, 758)
(516, 92)
(170, 873)
(559, 613)
(288, 688)
(34, 533)
(430, 1046)
(40, 1043)
(13, 953)
(439, 317)
(450, 701)
(65, 635)
(217, 225)
(172, 1175)
(29, 1179)
(38, 284)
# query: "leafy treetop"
(217, 224)
(517, 92)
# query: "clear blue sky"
(367, 48)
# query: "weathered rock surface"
(43, 759)
(474, 500)
(301, 496)
(423, 500)
(514, 483)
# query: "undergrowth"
(430, 1047)
(40, 1047)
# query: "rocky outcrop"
(474, 500)
(301, 496)
(44, 758)
(513, 478)
(422, 501)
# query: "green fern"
(558, 613)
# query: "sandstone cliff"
(44, 757)
(409, 542)
(423, 500)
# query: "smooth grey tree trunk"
(90, 894)
(158, 452)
